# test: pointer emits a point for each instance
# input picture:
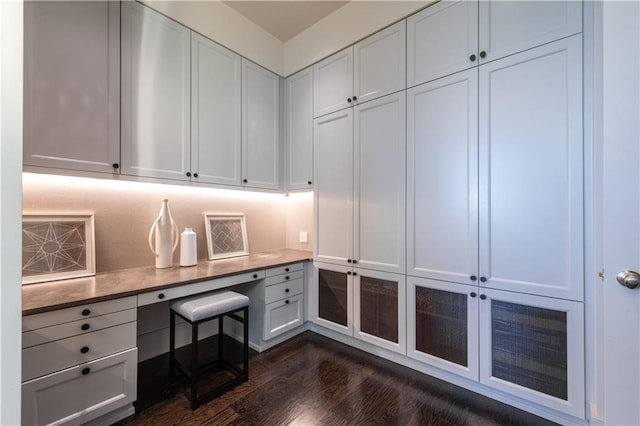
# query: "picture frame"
(226, 235)
(57, 246)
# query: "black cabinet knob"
(349, 260)
(244, 180)
(349, 100)
(286, 290)
(86, 371)
(355, 98)
(473, 277)
(86, 312)
(286, 301)
(309, 182)
(286, 269)
(287, 277)
(255, 276)
(472, 58)
(483, 54)
(188, 174)
(195, 175)
(355, 261)
(84, 349)
(483, 279)
(355, 273)
(348, 272)
(115, 165)
(84, 327)
(472, 294)
(483, 296)
(161, 296)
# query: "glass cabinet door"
(334, 299)
(443, 325)
(379, 309)
(533, 347)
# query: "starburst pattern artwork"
(56, 248)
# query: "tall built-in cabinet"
(72, 85)
(298, 131)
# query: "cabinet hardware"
(473, 277)
(483, 279)
(286, 290)
(309, 182)
(483, 296)
(472, 294)
(472, 58)
(355, 98)
(348, 272)
(286, 301)
(244, 180)
(84, 327)
(84, 349)
(86, 312)
(355, 273)
(195, 175)
(255, 276)
(287, 277)
(348, 260)
(483, 54)
(188, 174)
(349, 100)
(86, 371)
(115, 165)
(161, 296)
(355, 261)
(286, 269)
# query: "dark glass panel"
(379, 308)
(332, 296)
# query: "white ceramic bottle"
(166, 236)
(188, 248)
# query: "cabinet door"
(442, 40)
(155, 109)
(379, 309)
(79, 394)
(533, 347)
(379, 63)
(531, 180)
(442, 325)
(260, 127)
(216, 76)
(442, 178)
(333, 83)
(333, 187)
(72, 85)
(298, 93)
(283, 315)
(508, 27)
(379, 184)
(334, 297)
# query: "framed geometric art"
(57, 247)
(226, 235)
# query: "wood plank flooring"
(312, 380)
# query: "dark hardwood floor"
(312, 380)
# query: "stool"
(195, 311)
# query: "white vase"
(188, 248)
(166, 237)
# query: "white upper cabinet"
(379, 184)
(333, 83)
(370, 69)
(260, 127)
(156, 87)
(442, 39)
(531, 171)
(72, 85)
(442, 178)
(216, 83)
(380, 63)
(298, 161)
(507, 27)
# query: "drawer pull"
(86, 312)
(84, 327)
(286, 269)
(161, 296)
(84, 349)
(255, 276)
(286, 301)
(287, 277)
(86, 371)
(286, 290)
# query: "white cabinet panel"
(379, 184)
(507, 27)
(216, 155)
(283, 315)
(72, 85)
(156, 90)
(298, 93)
(531, 204)
(379, 63)
(441, 40)
(333, 83)
(260, 127)
(333, 187)
(442, 178)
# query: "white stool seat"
(200, 307)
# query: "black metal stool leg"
(172, 347)
(194, 366)
(245, 354)
(220, 336)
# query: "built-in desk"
(83, 338)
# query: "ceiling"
(285, 19)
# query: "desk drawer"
(283, 278)
(74, 328)
(282, 290)
(46, 319)
(285, 269)
(282, 316)
(73, 397)
(50, 357)
(202, 287)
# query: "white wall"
(347, 25)
(10, 208)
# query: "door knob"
(629, 279)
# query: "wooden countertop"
(54, 295)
